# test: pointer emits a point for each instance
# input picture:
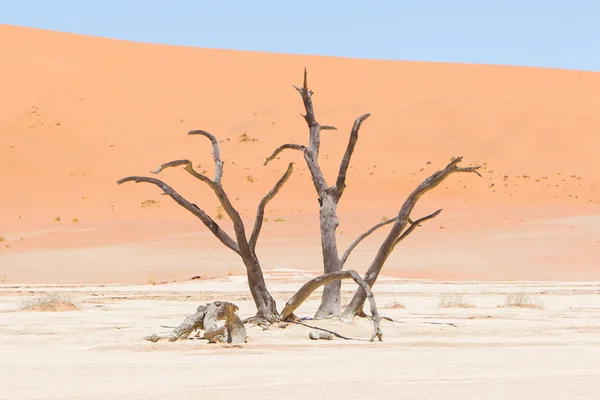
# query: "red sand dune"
(80, 112)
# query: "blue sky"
(547, 33)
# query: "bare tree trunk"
(265, 304)
(329, 196)
(331, 299)
(246, 249)
(395, 235)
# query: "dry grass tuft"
(220, 214)
(395, 304)
(454, 301)
(245, 138)
(49, 302)
(149, 202)
(522, 300)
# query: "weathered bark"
(246, 249)
(206, 317)
(396, 233)
(328, 196)
(309, 287)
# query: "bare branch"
(361, 237)
(306, 99)
(188, 167)
(414, 224)
(328, 128)
(216, 153)
(205, 218)
(261, 207)
(394, 235)
(309, 287)
(341, 179)
(291, 146)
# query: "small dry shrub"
(49, 302)
(395, 304)
(149, 202)
(245, 138)
(454, 301)
(522, 300)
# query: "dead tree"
(402, 227)
(328, 196)
(244, 247)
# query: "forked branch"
(361, 237)
(309, 287)
(414, 224)
(395, 235)
(306, 94)
(261, 207)
(216, 153)
(194, 209)
(291, 146)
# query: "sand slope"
(81, 112)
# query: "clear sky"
(546, 33)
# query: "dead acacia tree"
(329, 197)
(242, 245)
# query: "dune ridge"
(80, 112)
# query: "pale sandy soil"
(485, 351)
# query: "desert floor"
(480, 349)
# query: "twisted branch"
(188, 167)
(216, 153)
(291, 146)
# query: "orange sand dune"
(80, 112)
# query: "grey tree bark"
(244, 247)
(309, 287)
(328, 196)
(398, 232)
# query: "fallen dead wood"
(205, 318)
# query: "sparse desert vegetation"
(149, 203)
(245, 138)
(49, 301)
(395, 304)
(522, 300)
(454, 301)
